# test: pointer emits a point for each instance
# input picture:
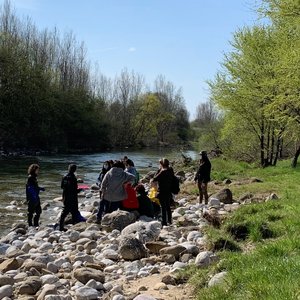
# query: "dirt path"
(149, 285)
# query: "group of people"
(119, 188)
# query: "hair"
(129, 162)
(164, 162)
(140, 189)
(204, 157)
(72, 168)
(32, 168)
(119, 164)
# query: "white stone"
(86, 293)
(214, 202)
(6, 291)
(203, 259)
(217, 279)
(49, 279)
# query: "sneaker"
(63, 229)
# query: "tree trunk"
(295, 158)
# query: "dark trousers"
(165, 201)
(66, 210)
(106, 207)
(34, 208)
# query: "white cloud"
(132, 49)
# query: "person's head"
(111, 162)
(164, 163)
(203, 156)
(33, 169)
(125, 158)
(106, 165)
(129, 163)
(140, 189)
(119, 164)
(72, 168)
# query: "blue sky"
(184, 40)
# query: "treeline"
(50, 98)
(254, 110)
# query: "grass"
(265, 260)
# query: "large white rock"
(203, 259)
(6, 291)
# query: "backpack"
(175, 189)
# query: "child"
(145, 204)
(152, 193)
(32, 195)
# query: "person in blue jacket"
(32, 195)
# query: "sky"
(184, 40)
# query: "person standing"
(32, 195)
(164, 177)
(70, 196)
(113, 190)
(203, 176)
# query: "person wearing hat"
(203, 176)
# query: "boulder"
(149, 230)
(130, 248)
(30, 286)
(173, 250)
(224, 196)
(84, 275)
(86, 293)
(118, 219)
(9, 264)
(155, 246)
(6, 291)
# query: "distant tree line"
(50, 98)
(254, 110)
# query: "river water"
(13, 177)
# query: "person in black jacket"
(203, 176)
(164, 177)
(32, 195)
(70, 196)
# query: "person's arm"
(104, 183)
(129, 178)
(158, 176)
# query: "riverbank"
(209, 248)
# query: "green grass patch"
(266, 261)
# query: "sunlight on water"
(13, 176)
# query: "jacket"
(32, 189)
(70, 189)
(165, 180)
(203, 173)
(112, 186)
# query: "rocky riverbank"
(124, 258)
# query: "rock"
(48, 289)
(173, 250)
(203, 259)
(214, 202)
(142, 288)
(226, 181)
(95, 187)
(224, 196)
(160, 286)
(6, 291)
(6, 280)
(74, 236)
(30, 286)
(86, 293)
(186, 257)
(9, 264)
(130, 248)
(49, 279)
(217, 279)
(144, 297)
(85, 274)
(254, 179)
(272, 196)
(118, 297)
(118, 219)
(246, 196)
(3, 248)
(169, 279)
(168, 258)
(33, 264)
(149, 230)
(155, 246)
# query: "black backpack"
(175, 189)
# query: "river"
(13, 176)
